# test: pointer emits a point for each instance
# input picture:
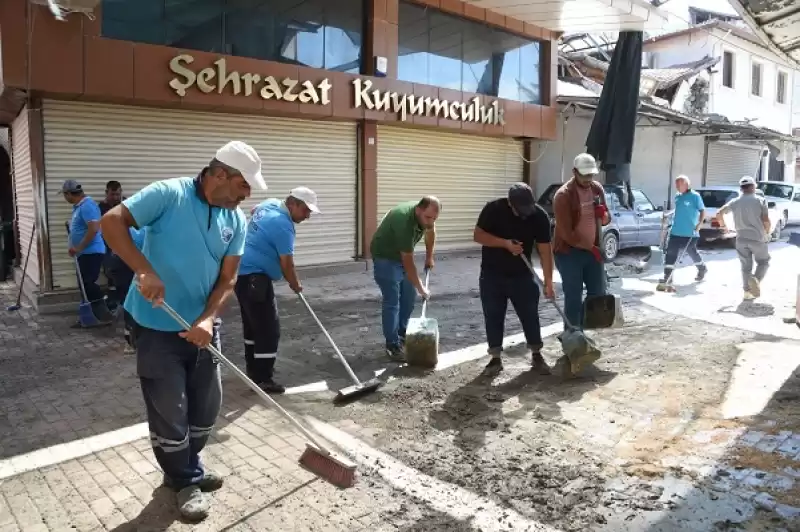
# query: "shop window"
(314, 33)
(727, 69)
(455, 53)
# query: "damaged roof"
(652, 79)
(667, 77)
(777, 22)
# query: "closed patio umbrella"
(610, 138)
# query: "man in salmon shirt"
(575, 246)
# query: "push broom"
(316, 458)
(18, 304)
(358, 388)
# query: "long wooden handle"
(252, 385)
(541, 286)
(330, 340)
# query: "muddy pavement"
(594, 453)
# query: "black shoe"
(538, 364)
(701, 272)
(396, 353)
(271, 387)
(494, 365)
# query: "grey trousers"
(749, 251)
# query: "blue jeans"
(577, 268)
(90, 265)
(182, 392)
(399, 296)
(496, 291)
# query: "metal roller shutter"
(23, 192)
(727, 163)
(463, 171)
(95, 143)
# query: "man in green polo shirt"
(392, 250)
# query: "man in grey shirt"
(751, 217)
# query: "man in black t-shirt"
(111, 263)
(506, 228)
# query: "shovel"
(422, 337)
(603, 311)
(579, 349)
(358, 388)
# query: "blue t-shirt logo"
(227, 234)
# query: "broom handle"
(25, 268)
(77, 267)
(425, 301)
(328, 336)
(253, 386)
(541, 286)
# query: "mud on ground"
(577, 455)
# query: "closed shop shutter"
(136, 146)
(23, 192)
(727, 163)
(463, 171)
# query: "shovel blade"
(579, 349)
(422, 342)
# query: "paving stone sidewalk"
(66, 391)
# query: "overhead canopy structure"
(777, 22)
(582, 15)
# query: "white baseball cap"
(746, 180)
(307, 196)
(243, 158)
(585, 164)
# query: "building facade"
(368, 102)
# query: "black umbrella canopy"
(610, 138)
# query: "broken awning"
(776, 22)
(582, 15)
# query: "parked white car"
(786, 197)
(714, 198)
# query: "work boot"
(193, 504)
(538, 363)
(495, 365)
(271, 387)
(396, 353)
(702, 269)
(754, 287)
(748, 296)
(211, 481)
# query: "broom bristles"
(335, 469)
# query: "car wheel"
(776, 234)
(610, 246)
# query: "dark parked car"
(640, 227)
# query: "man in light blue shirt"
(269, 257)
(86, 244)
(191, 253)
(689, 212)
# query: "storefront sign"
(409, 105)
(218, 79)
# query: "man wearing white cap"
(577, 207)
(195, 239)
(751, 217)
(269, 257)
